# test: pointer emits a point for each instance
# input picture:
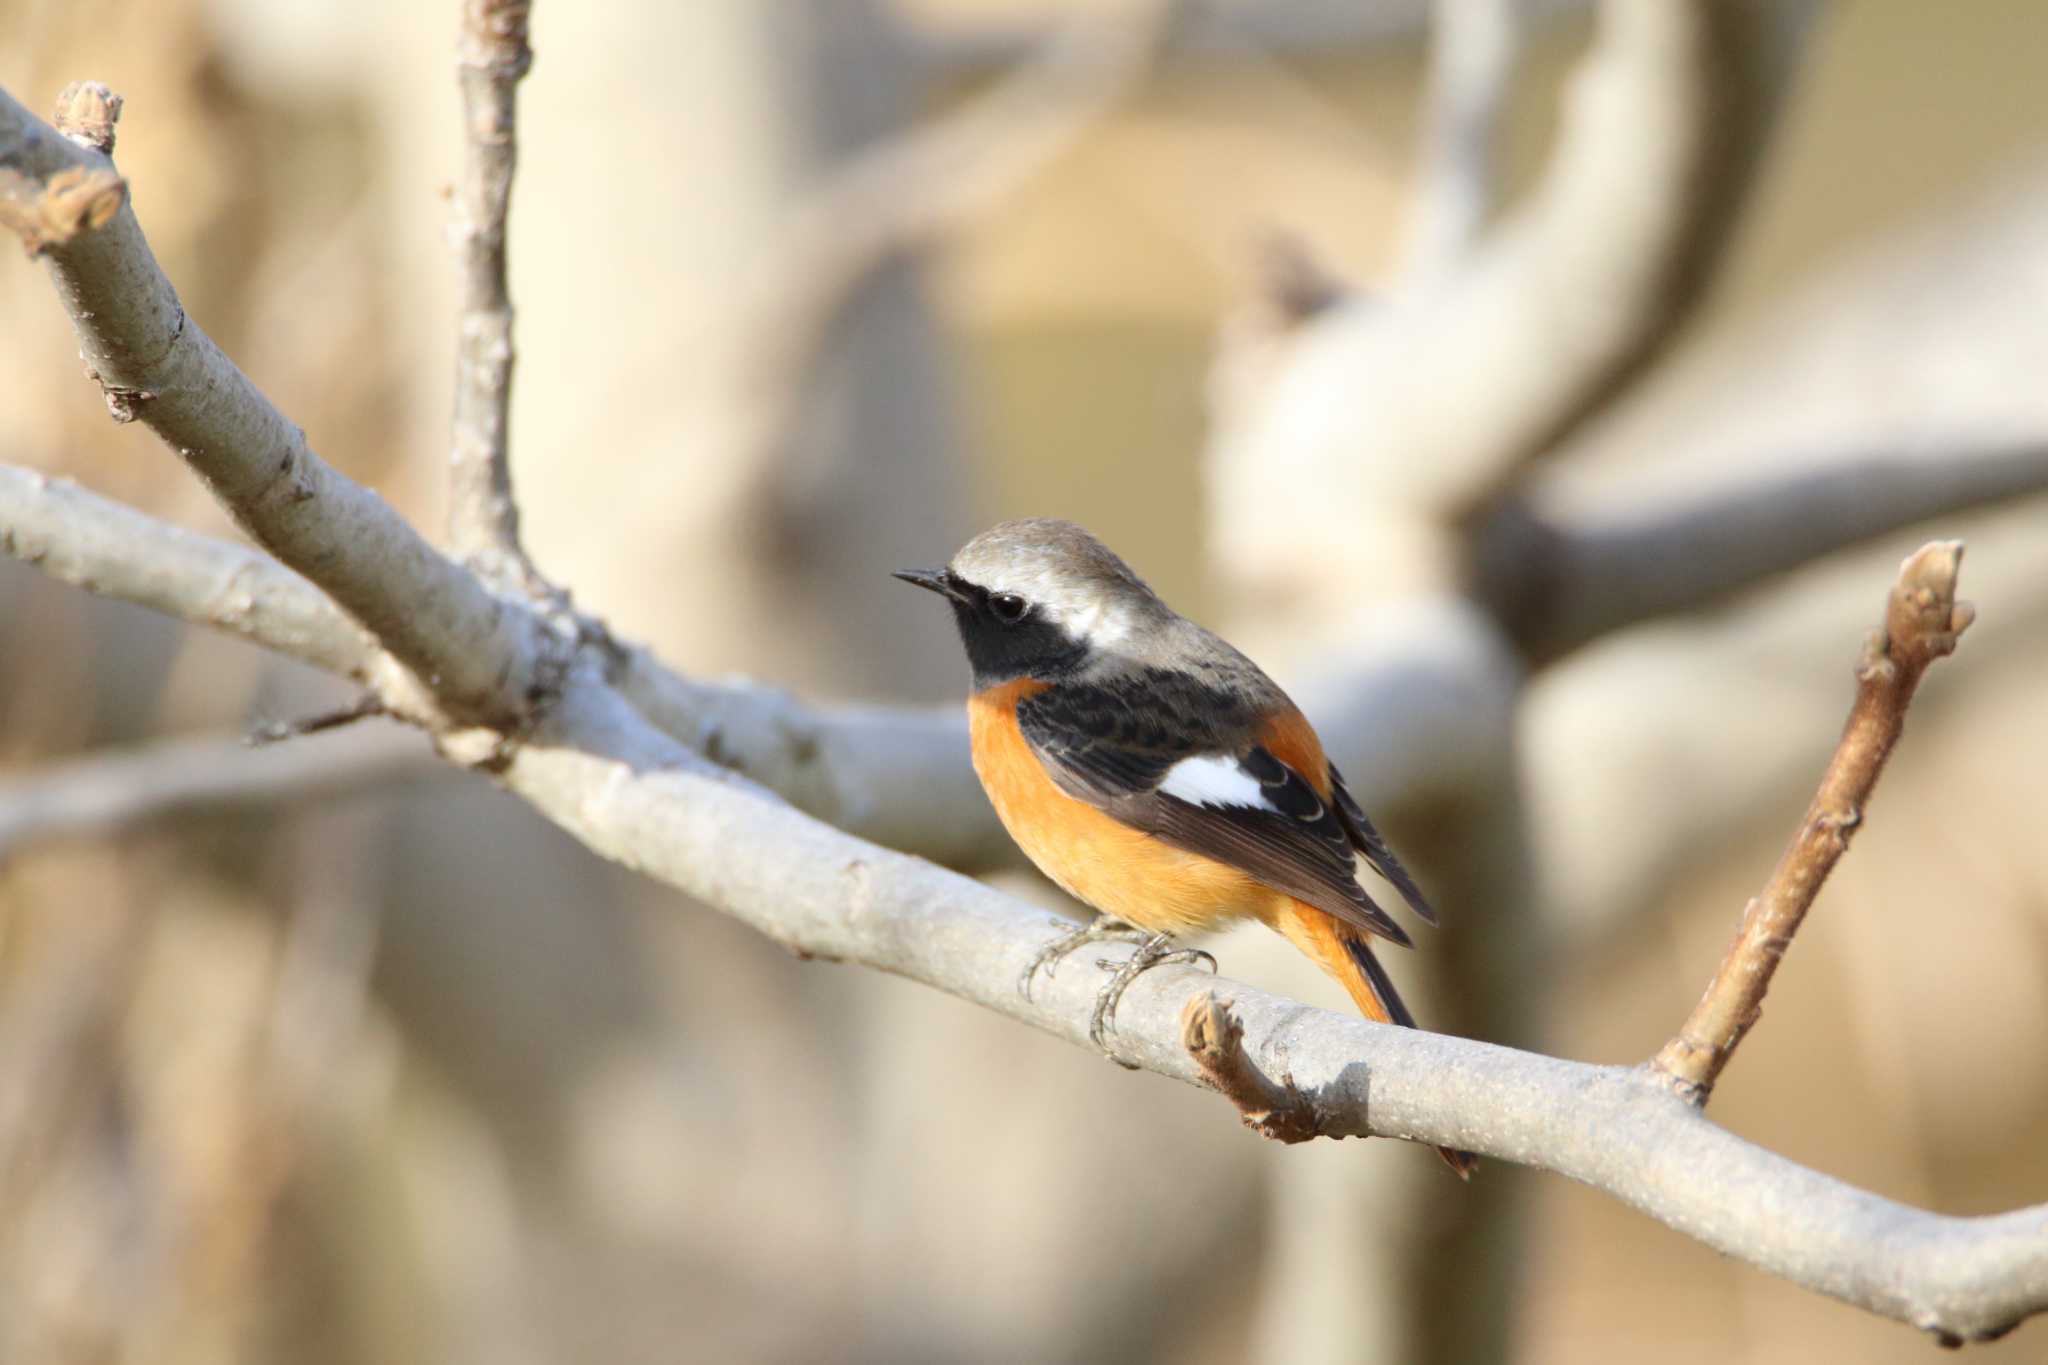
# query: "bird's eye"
(1008, 607)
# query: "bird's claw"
(1101, 929)
(1155, 951)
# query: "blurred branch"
(480, 660)
(1922, 622)
(1555, 585)
(1447, 395)
(1299, 28)
(903, 194)
(600, 772)
(491, 56)
(107, 793)
(1472, 49)
(116, 551)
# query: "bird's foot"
(1155, 951)
(1101, 929)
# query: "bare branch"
(1555, 585)
(898, 775)
(600, 772)
(116, 551)
(1472, 49)
(110, 792)
(492, 56)
(479, 657)
(1922, 622)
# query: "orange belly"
(1092, 856)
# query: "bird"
(1155, 773)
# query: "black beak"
(934, 580)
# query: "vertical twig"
(491, 56)
(1921, 624)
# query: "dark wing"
(1162, 765)
(1377, 855)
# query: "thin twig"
(1921, 624)
(491, 57)
(1213, 1036)
(365, 707)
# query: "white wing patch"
(1214, 780)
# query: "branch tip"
(1214, 1038)
(86, 113)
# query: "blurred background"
(813, 289)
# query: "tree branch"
(482, 659)
(107, 793)
(1922, 622)
(115, 551)
(1556, 584)
(898, 775)
(492, 56)
(600, 772)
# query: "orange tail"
(1345, 953)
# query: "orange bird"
(1154, 772)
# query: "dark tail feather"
(1389, 1010)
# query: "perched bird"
(1154, 772)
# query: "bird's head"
(1042, 598)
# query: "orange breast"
(1092, 856)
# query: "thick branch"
(491, 56)
(634, 796)
(1922, 622)
(1555, 585)
(479, 656)
(110, 792)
